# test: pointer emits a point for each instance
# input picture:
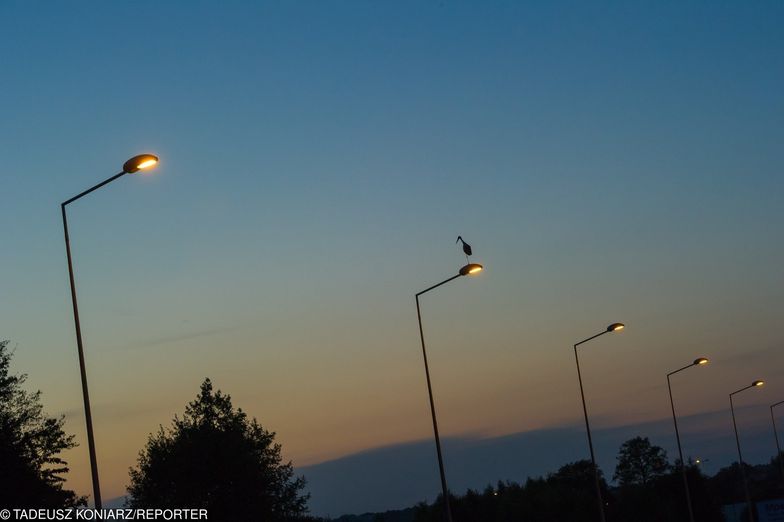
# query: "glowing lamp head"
(758, 383)
(616, 327)
(140, 162)
(700, 361)
(471, 269)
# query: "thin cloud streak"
(170, 339)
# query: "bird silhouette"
(466, 246)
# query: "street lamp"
(469, 269)
(135, 164)
(697, 362)
(749, 507)
(615, 327)
(779, 456)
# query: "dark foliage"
(652, 491)
(31, 472)
(566, 495)
(218, 459)
(640, 463)
(404, 515)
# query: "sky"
(618, 161)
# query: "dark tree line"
(649, 489)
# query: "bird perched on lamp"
(466, 247)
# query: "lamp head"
(140, 162)
(700, 361)
(615, 327)
(471, 269)
(758, 383)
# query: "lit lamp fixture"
(140, 162)
(614, 327)
(749, 507)
(467, 270)
(471, 269)
(700, 361)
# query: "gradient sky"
(614, 162)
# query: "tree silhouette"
(215, 458)
(640, 463)
(574, 489)
(30, 442)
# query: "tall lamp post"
(749, 507)
(135, 164)
(469, 269)
(697, 362)
(779, 456)
(612, 328)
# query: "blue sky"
(611, 161)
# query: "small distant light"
(701, 360)
(758, 383)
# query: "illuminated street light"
(140, 162)
(749, 507)
(697, 362)
(469, 269)
(614, 327)
(134, 164)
